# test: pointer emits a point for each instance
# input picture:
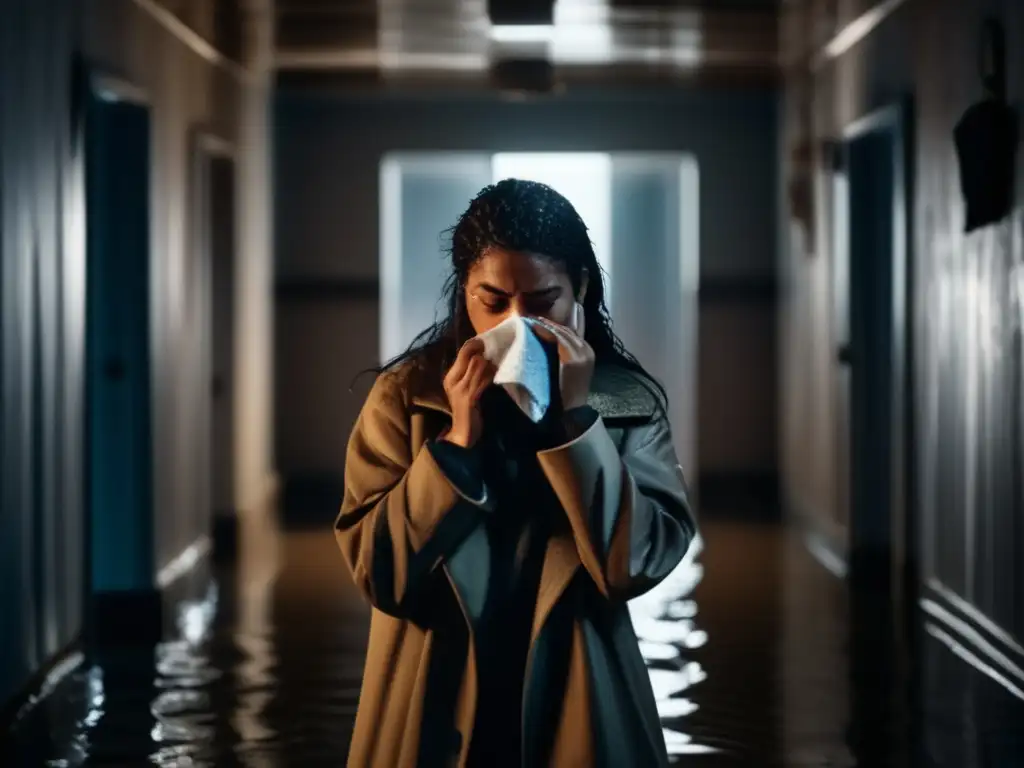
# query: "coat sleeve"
(401, 515)
(630, 512)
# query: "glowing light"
(584, 178)
(522, 33)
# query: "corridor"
(218, 216)
(754, 656)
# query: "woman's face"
(502, 282)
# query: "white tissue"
(522, 365)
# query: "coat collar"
(615, 393)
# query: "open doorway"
(119, 455)
(871, 295)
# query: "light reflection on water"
(234, 687)
(266, 673)
(185, 719)
(665, 623)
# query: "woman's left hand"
(576, 358)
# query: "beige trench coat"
(408, 537)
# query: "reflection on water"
(665, 621)
(265, 670)
(750, 666)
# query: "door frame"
(896, 120)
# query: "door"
(222, 259)
(870, 169)
(872, 358)
(870, 301)
(212, 285)
(118, 393)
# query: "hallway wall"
(968, 300)
(42, 293)
(328, 152)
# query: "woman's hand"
(464, 383)
(576, 360)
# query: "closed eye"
(493, 303)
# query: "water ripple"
(749, 667)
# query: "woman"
(499, 553)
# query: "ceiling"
(454, 38)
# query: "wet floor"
(749, 647)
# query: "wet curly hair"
(521, 215)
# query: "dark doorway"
(872, 299)
(119, 455)
(216, 220)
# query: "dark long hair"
(521, 216)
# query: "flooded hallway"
(219, 217)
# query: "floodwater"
(757, 655)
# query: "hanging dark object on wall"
(800, 171)
(986, 139)
(801, 186)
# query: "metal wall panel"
(40, 343)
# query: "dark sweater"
(517, 537)
(505, 461)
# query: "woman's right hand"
(470, 375)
